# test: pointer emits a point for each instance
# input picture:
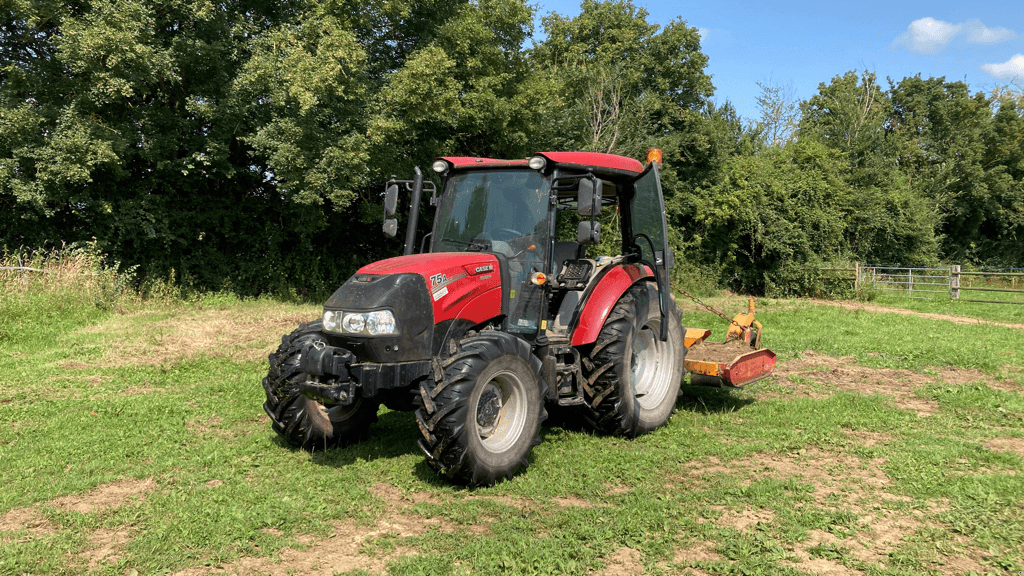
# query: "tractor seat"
(566, 251)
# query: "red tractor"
(496, 317)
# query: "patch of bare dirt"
(572, 502)
(702, 552)
(105, 547)
(339, 552)
(962, 564)
(743, 519)
(839, 482)
(870, 439)
(343, 550)
(27, 519)
(106, 496)
(506, 500)
(623, 562)
(1015, 445)
(394, 498)
(882, 309)
(616, 489)
(243, 335)
(819, 376)
(823, 566)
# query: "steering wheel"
(510, 232)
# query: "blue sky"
(798, 45)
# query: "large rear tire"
(302, 422)
(634, 376)
(482, 418)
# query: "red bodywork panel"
(602, 298)
(474, 162)
(611, 162)
(463, 285)
(585, 160)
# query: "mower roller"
(736, 362)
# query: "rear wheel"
(482, 419)
(307, 423)
(635, 376)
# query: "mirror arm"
(414, 210)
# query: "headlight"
(381, 322)
(353, 323)
(376, 323)
(538, 162)
(440, 166)
(332, 320)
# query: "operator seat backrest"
(566, 251)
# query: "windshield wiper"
(473, 246)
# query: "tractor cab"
(541, 217)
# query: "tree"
(624, 83)
(780, 112)
(941, 129)
(117, 126)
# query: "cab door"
(649, 231)
(647, 217)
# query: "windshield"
(506, 212)
(502, 211)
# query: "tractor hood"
(461, 285)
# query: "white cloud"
(930, 36)
(977, 33)
(1009, 70)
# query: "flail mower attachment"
(738, 361)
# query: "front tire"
(302, 422)
(482, 419)
(635, 375)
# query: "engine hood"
(463, 285)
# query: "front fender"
(601, 297)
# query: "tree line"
(244, 144)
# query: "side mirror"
(391, 227)
(390, 202)
(589, 201)
(589, 232)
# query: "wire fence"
(925, 283)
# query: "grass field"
(133, 442)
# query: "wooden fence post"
(856, 277)
(954, 281)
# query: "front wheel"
(482, 419)
(306, 423)
(635, 375)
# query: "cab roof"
(596, 162)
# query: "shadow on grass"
(709, 400)
(393, 436)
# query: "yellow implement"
(739, 360)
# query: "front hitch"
(343, 393)
(317, 359)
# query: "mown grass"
(790, 476)
(1011, 312)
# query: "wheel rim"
(651, 365)
(501, 412)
